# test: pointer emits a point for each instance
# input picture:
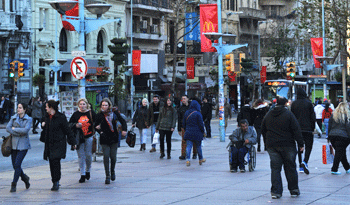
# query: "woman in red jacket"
(326, 114)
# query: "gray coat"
(36, 110)
(20, 136)
(237, 135)
(168, 120)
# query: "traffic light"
(20, 69)
(290, 71)
(229, 62)
(12, 70)
(241, 56)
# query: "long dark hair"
(326, 108)
(53, 104)
(166, 107)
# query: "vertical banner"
(192, 27)
(73, 12)
(263, 74)
(208, 23)
(190, 68)
(136, 62)
(317, 50)
(231, 76)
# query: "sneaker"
(276, 196)
(301, 169)
(188, 163)
(182, 157)
(294, 194)
(201, 161)
(153, 149)
(242, 170)
(348, 171)
(336, 173)
(305, 167)
(233, 170)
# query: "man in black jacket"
(245, 113)
(281, 129)
(154, 109)
(303, 110)
(207, 112)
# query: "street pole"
(259, 74)
(221, 81)
(132, 89)
(56, 65)
(324, 52)
(185, 50)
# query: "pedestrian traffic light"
(20, 69)
(290, 71)
(12, 70)
(229, 62)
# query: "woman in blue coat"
(194, 131)
(19, 126)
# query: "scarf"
(109, 118)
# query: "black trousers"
(36, 122)
(208, 128)
(340, 154)
(55, 169)
(162, 134)
(309, 141)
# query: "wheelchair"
(249, 159)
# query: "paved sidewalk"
(143, 178)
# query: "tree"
(39, 80)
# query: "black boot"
(112, 175)
(87, 175)
(55, 186)
(82, 179)
(141, 147)
(168, 157)
(259, 150)
(13, 187)
(162, 155)
(25, 179)
(144, 146)
(108, 180)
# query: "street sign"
(317, 80)
(78, 68)
(78, 53)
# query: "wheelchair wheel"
(252, 159)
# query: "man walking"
(154, 109)
(207, 109)
(303, 110)
(281, 129)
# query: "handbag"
(327, 154)
(131, 138)
(6, 146)
(155, 138)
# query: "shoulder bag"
(6, 146)
(131, 138)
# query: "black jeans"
(340, 154)
(36, 122)
(17, 157)
(55, 168)
(207, 128)
(162, 134)
(283, 156)
(309, 141)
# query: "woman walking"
(259, 111)
(19, 127)
(106, 122)
(326, 114)
(82, 124)
(339, 122)
(36, 113)
(166, 125)
(55, 135)
(142, 120)
(194, 131)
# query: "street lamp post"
(82, 24)
(324, 52)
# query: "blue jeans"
(17, 157)
(237, 156)
(189, 145)
(325, 121)
(153, 130)
(283, 156)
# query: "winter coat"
(168, 120)
(180, 115)
(20, 136)
(281, 128)
(107, 136)
(36, 110)
(258, 114)
(141, 117)
(303, 110)
(237, 135)
(193, 123)
(245, 113)
(55, 135)
(87, 128)
(338, 131)
(207, 111)
(318, 111)
(152, 112)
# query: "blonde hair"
(341, 114)
(86, 101)
(145, 99)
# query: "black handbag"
(6, 146)
(131, 138)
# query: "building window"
(100, 42)
(63, 41)
(43, 18)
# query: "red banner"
(317, 50)
(231, 76)
(136, 62)
(73, 12)
(263, 74)
(190, 68)
(208, 23)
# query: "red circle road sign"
(78, 68)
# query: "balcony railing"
(252, 13)
(155, 3)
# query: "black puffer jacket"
(141, 117)
(281, 128)
(55, 135)
(303, 110)
(337, 130)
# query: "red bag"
(327, 154)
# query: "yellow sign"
(208, 27)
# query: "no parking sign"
(78, 68)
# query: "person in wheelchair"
(242, 139)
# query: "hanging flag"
(136, 62)
(192, 27)
(263, 74)
(231, 76)
(73, 12)
(208, 24)
(190, 68)
(317, 50)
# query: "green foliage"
(39, 80)
(118, 89)
(247, 64)
(119, 49)
(102, 76)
